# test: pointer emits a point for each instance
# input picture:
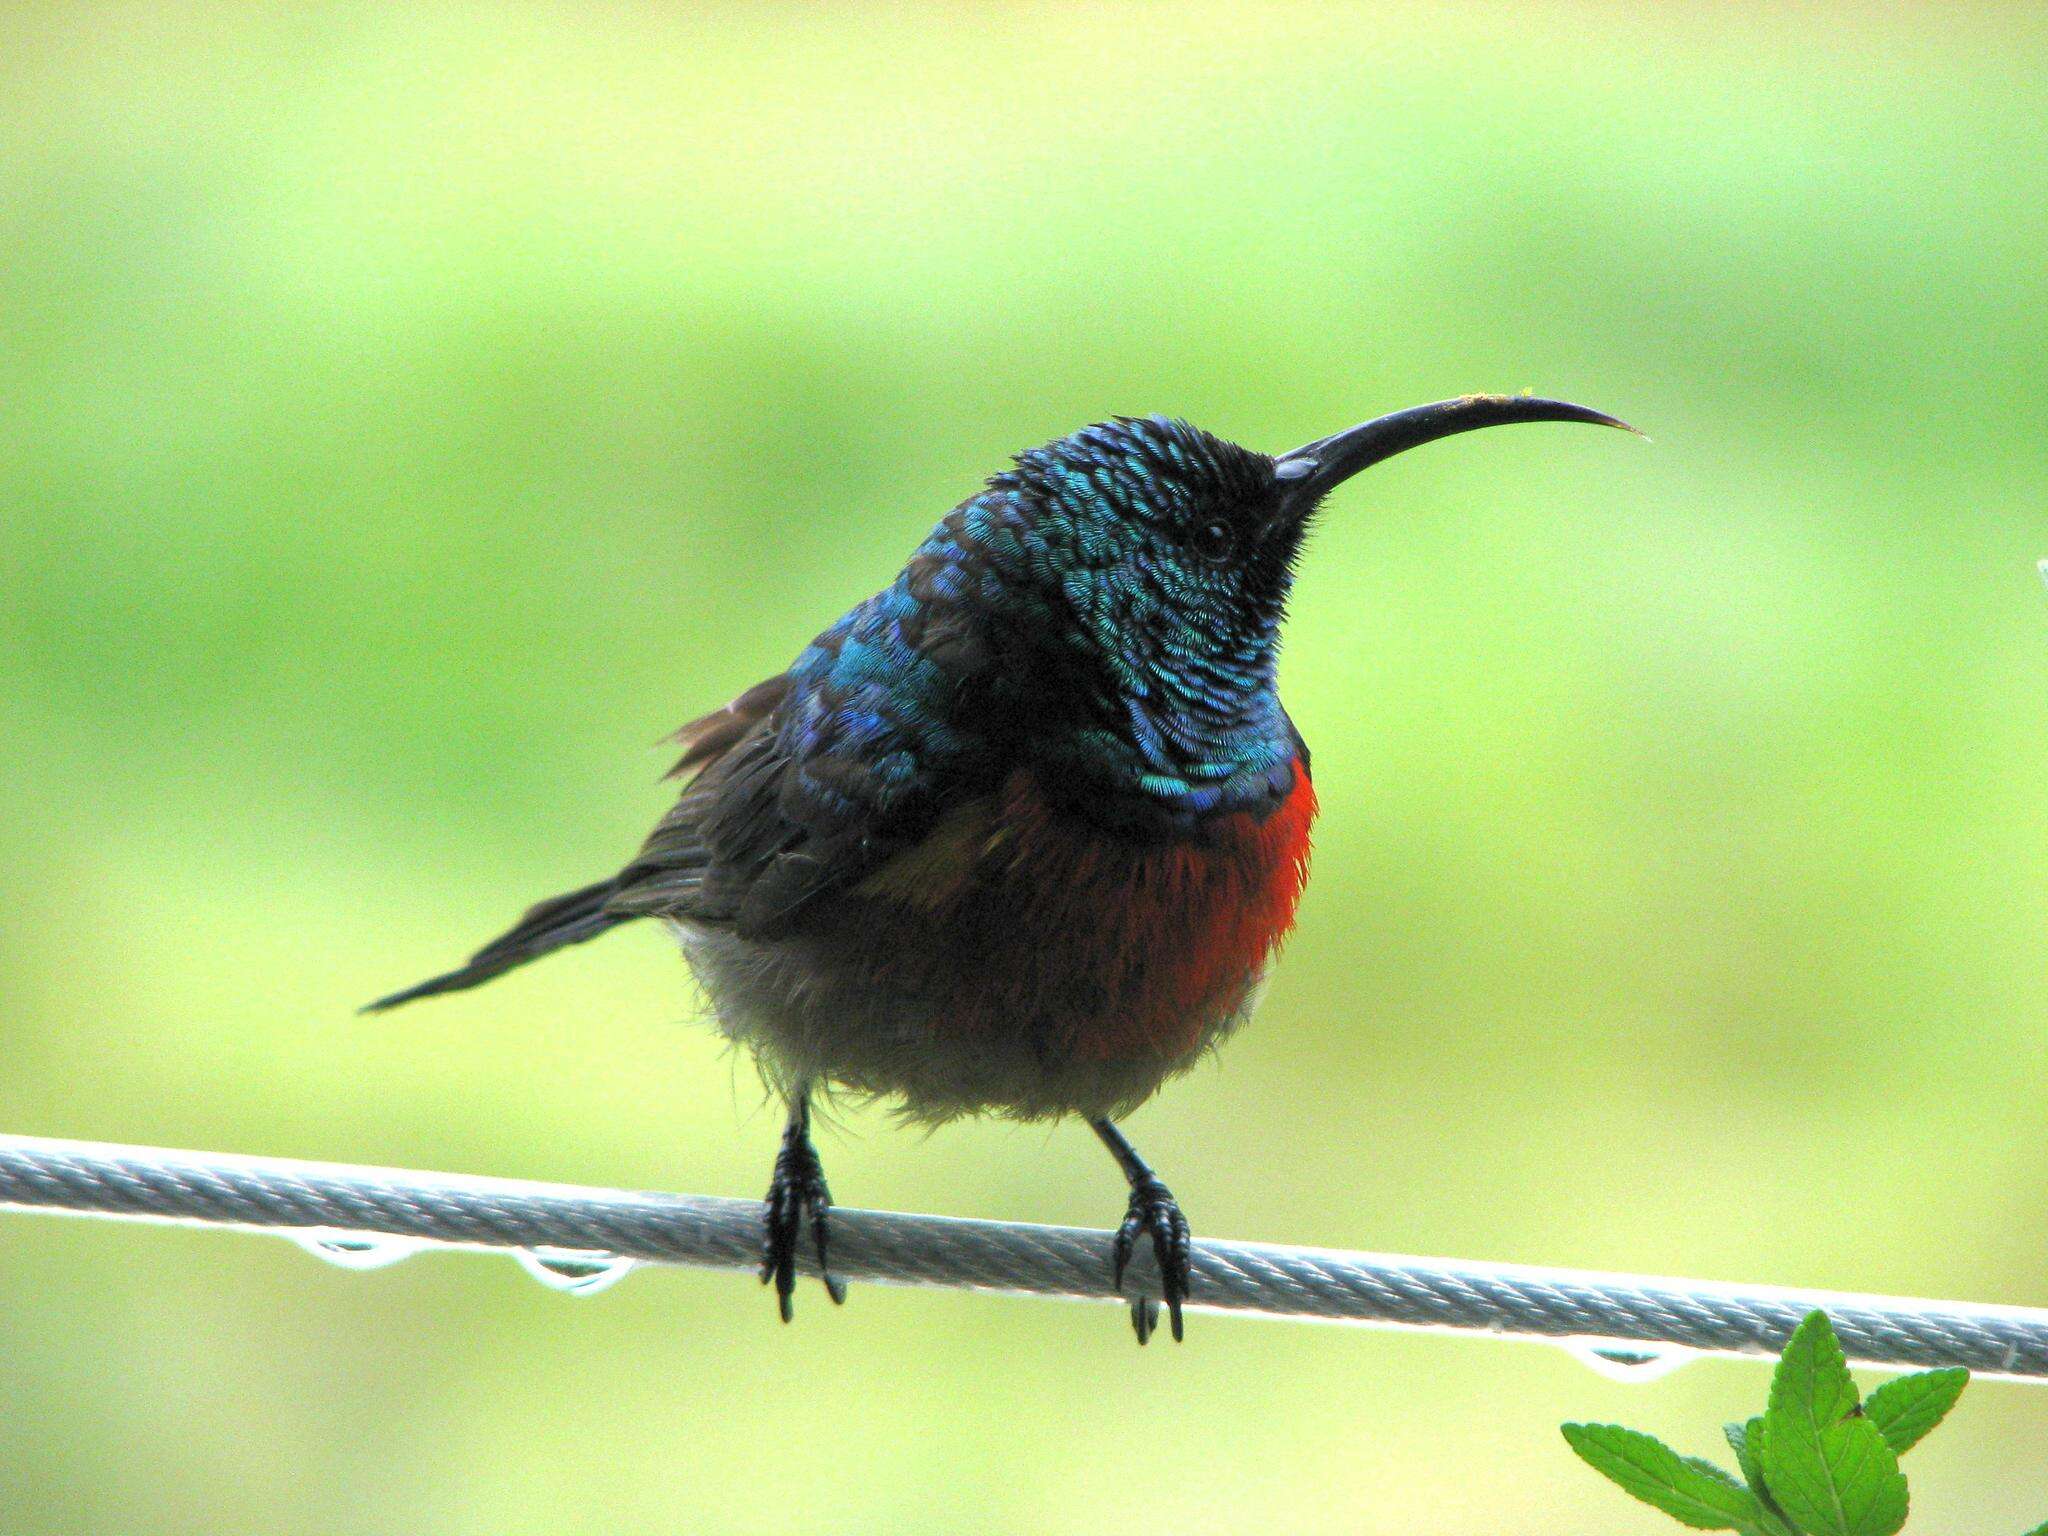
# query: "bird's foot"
(796, 1194)
(1154, 1213)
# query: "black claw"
(834, 1286)
(1154, 1213)
(796, 1195)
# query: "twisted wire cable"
(1629, 1317)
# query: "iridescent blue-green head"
(1147, 566)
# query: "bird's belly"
(1021, 962)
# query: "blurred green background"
(409, 415)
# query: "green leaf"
(1747, 1442)
(1904, 1410)
(1718, 1474)
(1694, 1492)
(1843, 1480)
(1827, 1466)
(1812, 1377)
(2039, 1530)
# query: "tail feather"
(553, 924)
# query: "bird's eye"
(1214, 540)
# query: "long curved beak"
(1313, 469)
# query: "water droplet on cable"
(356, 1250)
(574, 1272)
(1628, 1360)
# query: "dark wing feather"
(693, 865)
(845, 763)
(709, 737)
(805, 783)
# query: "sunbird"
(1021, 833)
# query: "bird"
(1021, 834)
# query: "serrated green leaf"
(1690, 1491)
(1737, 1433)
(1857, 1491)
(2039, 1530)
(1906, 1409)
(1827, 1467)
(1746, 1440)
(1813, 1375)
(1718, 1474)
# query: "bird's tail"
(554, 923)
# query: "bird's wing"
(804, 785)
(708, 738)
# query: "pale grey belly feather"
(784, 1002)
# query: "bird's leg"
(796, 1193)
(1155, 1213)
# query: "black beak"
(1311, 471)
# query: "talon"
(1155, 1213)
(796, 1194)
(834, 1286)
(1126, 1240)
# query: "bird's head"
(1148, 565)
